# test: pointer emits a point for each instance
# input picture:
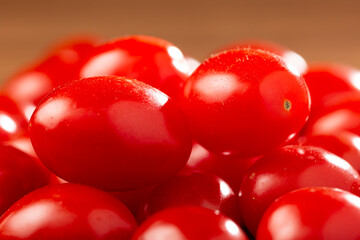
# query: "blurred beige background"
(320, 30)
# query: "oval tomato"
(245, 102)
(190, 223)
(192, 188)
(312, 213)
(148, 59)
(67, 211)
(19, 175)
(292, 58)
(289, 168)
(110, 132)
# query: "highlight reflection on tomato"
(328, 79)
(312, 213)
(67, 211)
(191, 188)
(148, 59)
(19, 175)
(190, 223)
(61, 65)
(230, 169)
(245, 102)
(110, 132)
(290, 57)
(289, 168)
(344, 144)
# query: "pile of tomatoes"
(130, 139)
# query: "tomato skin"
(20, 174)
(245, 102)
(61, 64)
(312, 213)
(13, 123)
(289, 168)
(230, 169)
(325, 80)
(290, 57)
(191, 188)
(133, 199)
(188, 223)
(343, 143)
(24, 144)
(148, 59)
(59, 212)
(341, 112)
(110, 132)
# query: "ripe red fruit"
(148, 59)
(13, 123)
(62, 64)
(340, 112)
(110, 132)
(290, 57)
(312, 213)
(67, 211)
(344, 144)
(327, 80)
(245, 102)
(230, 169)
(191, 223)
(19, 175)
(192, 188)
(287, 169)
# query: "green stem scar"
(287, 105)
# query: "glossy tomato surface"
(328, 79)
(24, 144)
(230, 169)
(133, 199)
(62, 64)
(19, 175)
(148, 59)
(292, 58)
(289, 168)
(344, 144)
(192, 188)
(188, 223)
(67, 211)
(340, 112)
(13, 123)
(245, 102)
(312, 213)
(110, 132)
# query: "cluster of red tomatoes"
(130, 139)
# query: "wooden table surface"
(320, 30)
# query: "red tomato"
(192, 188)
(344, 144)
(245, 102)
(188, 223)
(62, 64)
(67, 211)
(312, 213)
(326, 80)
(133, 199)
(13, 123)
(293, 59)
(24, 144)
(110, 132)
(148, 59)
(340, 112)
(19, 175)
(287, 169)
(230, 169)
